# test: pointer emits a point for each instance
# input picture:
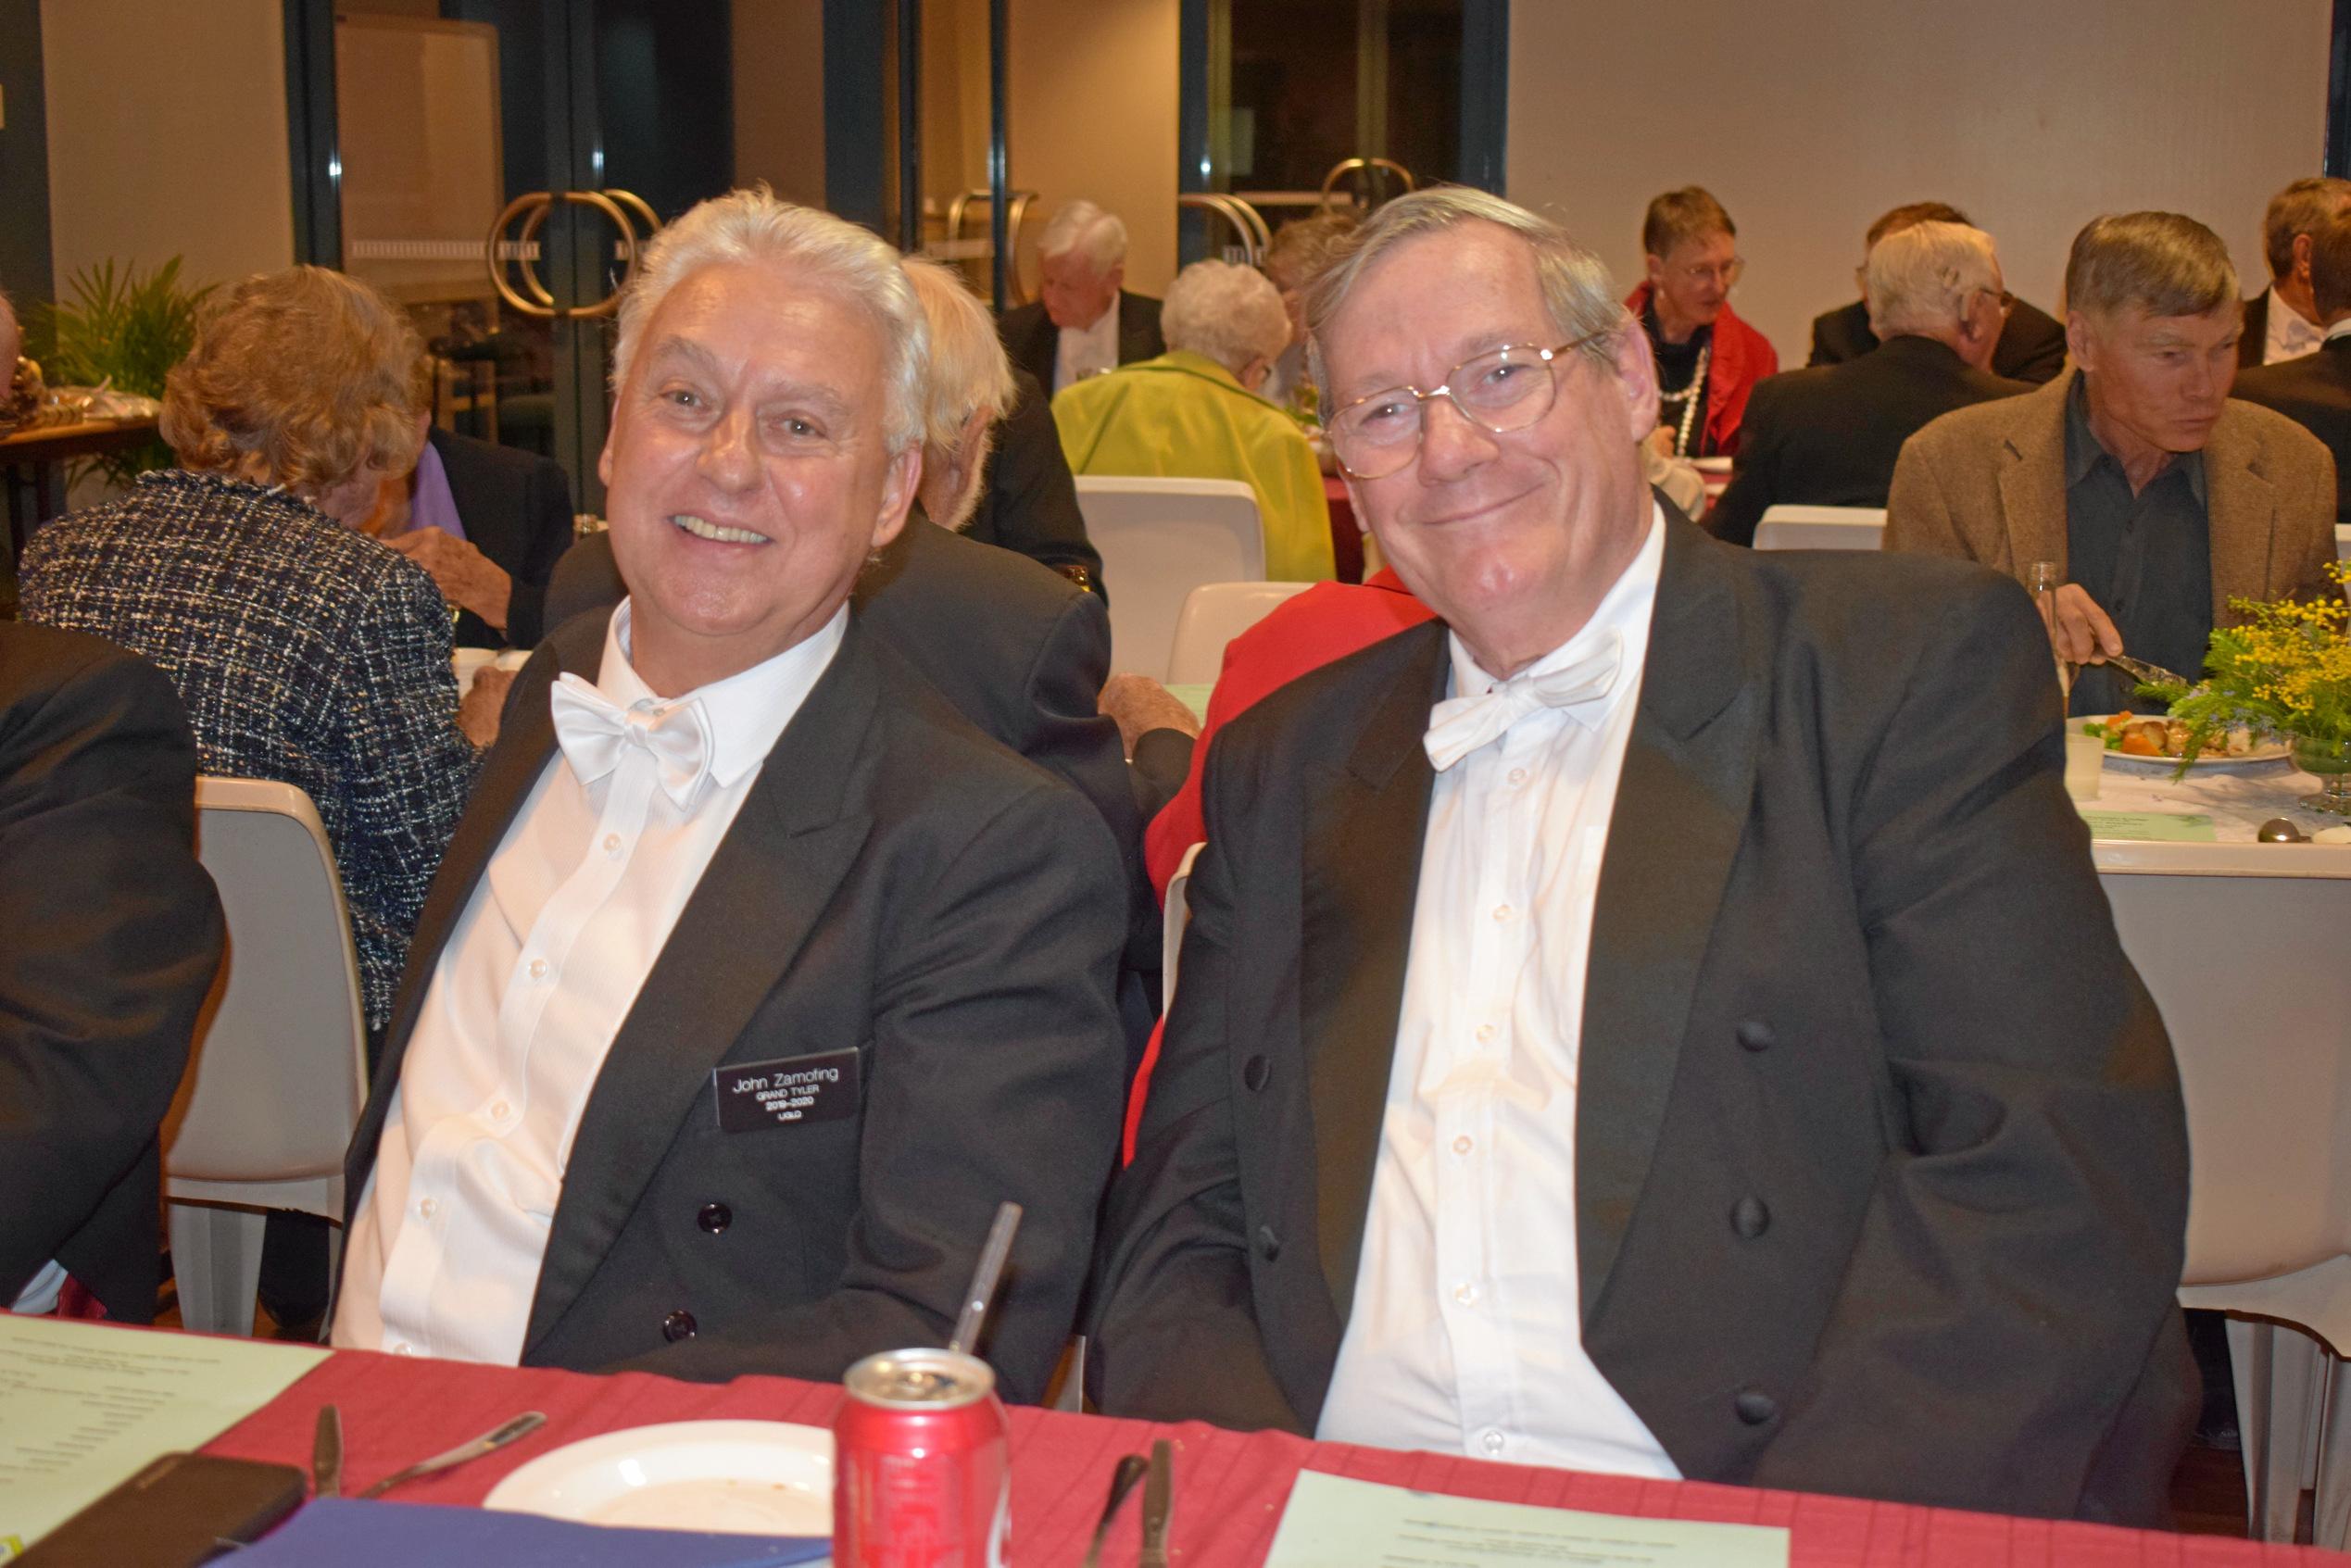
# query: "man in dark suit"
(1027, 498)
(755, 978)
(1083, 321)
(2315, 389)
(1616, 1027)
(1829, 436)
(109, 936)
(2282, 323)
(2032, 343)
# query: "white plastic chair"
(1160, 539)
(279, 1067)
(1820, 528)
(1175, 914)
(1214, 614)
(2248, 972)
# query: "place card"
(1334, 1522)
(84, 1407)
(2156, 827)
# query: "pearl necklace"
(1689, 398)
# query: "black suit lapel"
(527, 739)
(1362, 872)
(1681, 806)
(796, 836)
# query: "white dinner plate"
(735, 1477)
(2268, 751)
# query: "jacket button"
(714, 1217)
(1756, 1035)
(1255, 1071)
(1750, 1217)
(1754, 1406)
(1269, 1246)
(678, 1326)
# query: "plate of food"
(2137, 740)
(729, 1477)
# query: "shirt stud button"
(1466, 1294)
(428, 1208)
(1501, 911)
(678, 1326)
(1750, 1217)
(538, 969)
(1491, 1441)
(404, 1349)
(1754, 1406)
(1518, 775)
(1756, 1035)
(1485, 1033)
(611, 844)
(714, 1217)
(500, 1111)
(1462, 1145)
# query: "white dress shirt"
(1087, 351)
(2341, 329)
(2289, 334)
(537, 976)
(1467, 1334)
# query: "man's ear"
(1655, 266)
(1637, 376)
(899, 490)
(2082, 341)
(2303, 245)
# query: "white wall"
(1808, 118)
(167, 135)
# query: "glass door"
(497, 169)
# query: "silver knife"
(326, 1453)
(1158, 1492)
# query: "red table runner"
(1230, 1487)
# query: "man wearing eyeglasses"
(1828, 436)
(1615, 1028)
(1708, 361)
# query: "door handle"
(540, 302)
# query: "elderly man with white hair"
(755, 978)
(1195, 413)
(1829, 436)
(1083, 321)
(1617, 1028)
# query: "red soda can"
(922, 1464)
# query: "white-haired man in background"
(1194, 412)
(1083, 321)
(1829, 436)
(755, 978)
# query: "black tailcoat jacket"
(1881, 1162)
(895, 883)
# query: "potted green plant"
(125, 329)
(2287, 671)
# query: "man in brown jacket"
(2156, 497)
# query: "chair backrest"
(1160, 539)
(1174, 915)
(1820, 528)
(2342, 541)
(2248, 973)
(1214, 614)
(280, 1063)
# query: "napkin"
(351, 1534)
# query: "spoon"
(983, 1278)
(489, 1442)
(1130, 1470)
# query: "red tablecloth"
(1230, 1487)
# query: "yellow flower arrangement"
(2286, 669)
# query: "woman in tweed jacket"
(302, 650)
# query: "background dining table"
(1230, 1487)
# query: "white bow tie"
(593, 731)
(1459, 725)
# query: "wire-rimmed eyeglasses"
(1502, 390)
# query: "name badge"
(755, 1095)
